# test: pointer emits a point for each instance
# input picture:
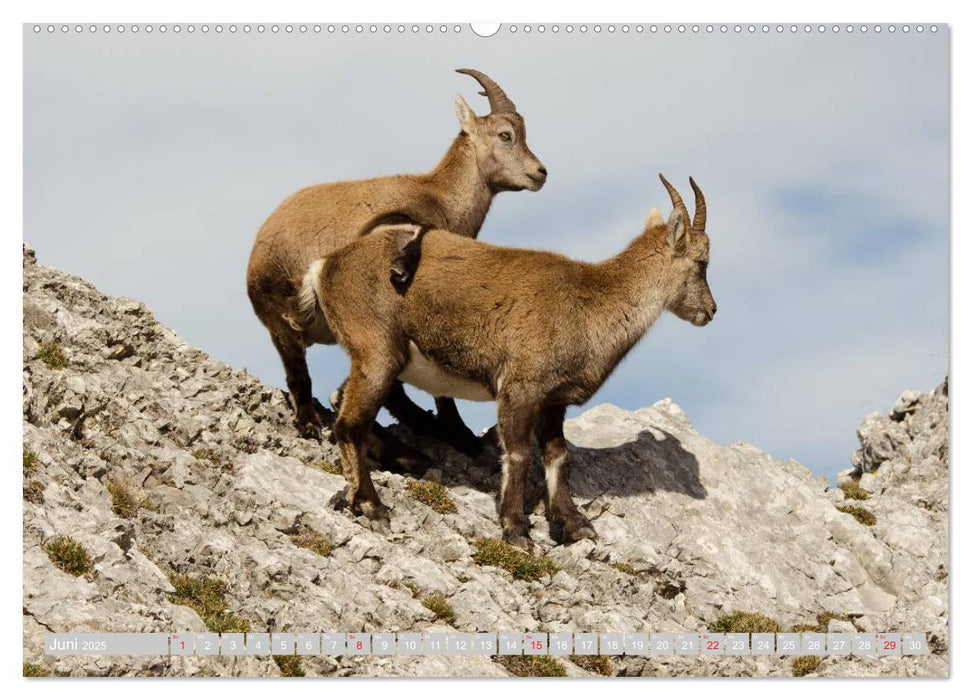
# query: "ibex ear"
(677, 233)
(465, 114)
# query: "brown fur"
(537, 330)
(489, 156)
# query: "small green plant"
(207, 454)
(52, 355)
(862, 515)
(34, 491)
(739, 621)
(413, 587)
(805, 628)
(598, 664)
(35, 671)
(289, 666)
(804, 665)
(852, 490)
(438, 604)
(323, 465)
(822, 622)
(68, 555)
(433, 495)
(624, 568)
(490, 551)
(532, 666)
(308, 538)
(123, 501)
(30, 462)
(207, 596)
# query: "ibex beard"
(533, 330)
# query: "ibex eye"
(505, 136)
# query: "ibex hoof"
(578, 527)
(517, 539)
(310, 430)
(377, 514)
(308, 423)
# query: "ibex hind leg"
(453, 430)
(387, 450)
(362, 395)
(293, 353)
(567, 523)
(446, 426)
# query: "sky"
(151, 160)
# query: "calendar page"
(470, 350)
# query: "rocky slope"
(169, 468)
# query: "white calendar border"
(442, 10)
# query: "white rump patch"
(307, 299)
(309, 319)
(437, 381)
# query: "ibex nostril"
(542, 169)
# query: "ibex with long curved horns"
(489, 156)
(532, 330)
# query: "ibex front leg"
(567, 523)
(364, 391)
(517, 420)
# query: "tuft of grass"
(207, 454)
(325, 466)
(624, 567)
(433, 495)
(739, 621)
(804, 665)
(123, 501)
(598, 664)
(822, 622)
(490, 551)
(35, 671)
(532, 666)
(289, 666)
(439, 605)
(852, 490)
(52, 355)
(30, 462)
(207, 596)
(68, 555)
(34, 491)
(308, 538)
(413, 587)
(862, 515)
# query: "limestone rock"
(219, 485)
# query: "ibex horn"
(676, 199)
(498, 102)
(701, 211)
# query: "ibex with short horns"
(489, 156)
(532, 330)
